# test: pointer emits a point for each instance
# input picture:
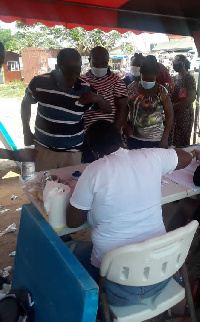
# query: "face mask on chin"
(135, 71)
(147, 85)
(99, 72)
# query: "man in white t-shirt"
(120, 196)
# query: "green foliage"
(84, 41)
(57, 37)
(13, 89)
(6, 37)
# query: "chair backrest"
(151, 261)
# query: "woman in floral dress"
(150, 110)
(182, 98)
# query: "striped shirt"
(59, 121)
(110, 87)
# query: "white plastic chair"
(147, 263)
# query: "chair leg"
(105, 307)
(103, 301)
(188, 293)
(193, 262)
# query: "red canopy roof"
(171, 16)
(88, 14)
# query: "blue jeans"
(133, 143)
(122, 295)
(116, 294)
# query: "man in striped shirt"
(62, 99)
(109, 86)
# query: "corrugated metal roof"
(177, 45)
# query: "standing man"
(62, 99)
(109, 86)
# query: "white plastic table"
(171, 190)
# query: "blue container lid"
(76, 174)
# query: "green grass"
(13, 89)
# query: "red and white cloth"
(110, 87)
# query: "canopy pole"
(196, 113)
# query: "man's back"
(126, 187)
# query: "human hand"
(195, 153)
(28, 137)
(163, 143)
(26, 155)
(127, 130)
(89, 97)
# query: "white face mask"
(99, 72)
(147, 85)
(135, 71)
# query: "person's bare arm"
(21, 155)
(121, 113)
(168, 110)
(186, 101)
(104, 105)
(184, 158)
(75, 217)
(26, 116)
(91, 97)
(196, 153)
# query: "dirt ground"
(11, 119)
(9, 176)
(9, 186)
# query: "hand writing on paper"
(195, 153)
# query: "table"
(171, 190)
(46, 267)
(64, 173)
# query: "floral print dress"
(183, 117)
(146, 113)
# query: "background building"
(10, 71)
(37, 61)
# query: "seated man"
(120, 196)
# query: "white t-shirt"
(122, 192)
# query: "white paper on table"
(192, 167)
(183, 177)
(164, 182)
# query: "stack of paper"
(185, 176)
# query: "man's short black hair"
(102, 136)
(149, 65)
(98, 49)
(138, 57)
(67, 53)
